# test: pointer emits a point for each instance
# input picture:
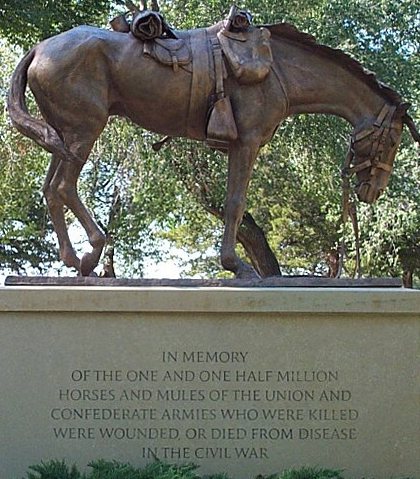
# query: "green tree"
(25, 231)
(26, 22)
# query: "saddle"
(160, 41)
(247, 52)
(207, 54)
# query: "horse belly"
(154, 96)
(157, 104)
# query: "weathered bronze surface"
(81, 77)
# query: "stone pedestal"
(246, 381)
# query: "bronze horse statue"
(81, 77)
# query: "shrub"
(102, 469)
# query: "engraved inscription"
(205, 404)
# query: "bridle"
(377, 133)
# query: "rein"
(349, 210)
(379, 132)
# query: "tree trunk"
(256, 246)
(333, 263)
(108, 261)
(408, 279)
(253, 239)
(133, 9)
(143, 5)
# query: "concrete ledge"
(211, 300)
(243, 380)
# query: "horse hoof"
(87, 264)
(246, 271)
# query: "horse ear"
(402, 109)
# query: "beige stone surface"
(236, 380)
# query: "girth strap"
(201, 84)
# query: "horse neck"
(316, 83)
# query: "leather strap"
(218, 68)
(359, 167)
(363, 134)
(201, 84)
(382, 114)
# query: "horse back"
(106, 73)
(109, 70)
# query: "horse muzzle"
(368, 193)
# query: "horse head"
(374, 144)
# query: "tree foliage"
(28, 21)
(25, 231)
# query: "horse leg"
(65, 183)
(241, 161)
(62, 189)
(75, 102)
(56, 210)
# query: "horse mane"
(290, 32)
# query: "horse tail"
(36, 129)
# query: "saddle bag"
(169, 51)
(120, 24)
(248, 53)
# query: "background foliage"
(25, 233)
(150, 202)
